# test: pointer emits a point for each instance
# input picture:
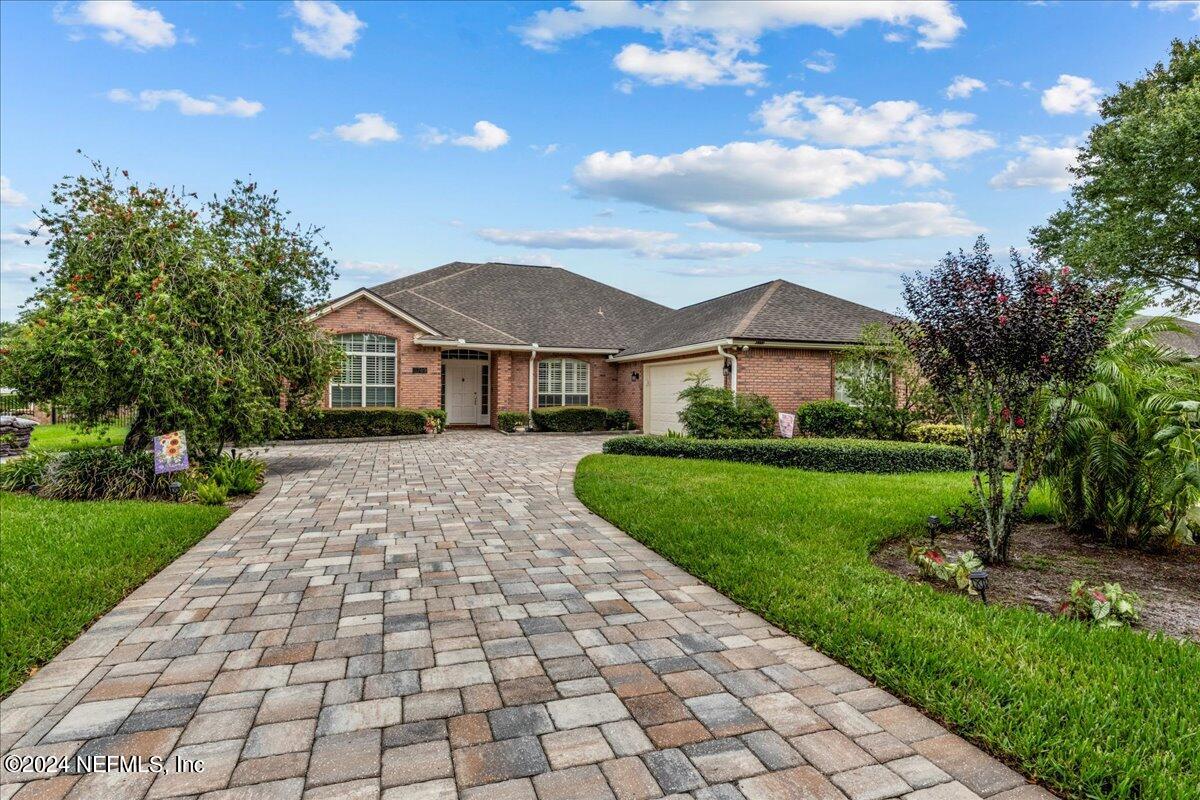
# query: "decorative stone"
(14, 435)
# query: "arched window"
(563, 382)
(368, 376)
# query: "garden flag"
(787, 425)
(170, 452)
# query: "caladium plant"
(1107, 606)
(933, 563)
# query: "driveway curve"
(440, 618)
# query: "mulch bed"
(1047, 558)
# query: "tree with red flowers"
(1006, 350)
(192, 314)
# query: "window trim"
(362, 385)
(562, 394)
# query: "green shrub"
(712, 413)
(24, 473)
(103, 473)
(236, 473)
(570, 419)
(823, 455)
(828, 418)
(939, 433)
(1108, 606)
(508, 421)
(211, 493)
(435, 419)
(349, 423)
(618, 420)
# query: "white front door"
(463, 385)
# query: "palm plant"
(1127, 465)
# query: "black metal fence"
(14, 404)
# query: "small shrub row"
(829, 419)
(349, 423)
(508, 421)
(570, 419)
(823, 455)
(939, 433)
(106, 473)
(435, 419)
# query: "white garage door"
(663, 384)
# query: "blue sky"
(678, 152)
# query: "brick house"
(478, 339)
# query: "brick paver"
(441, 617)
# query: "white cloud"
(822, 61)
(369, 268)
(735, 172)
(366, 129)
(486, 137)
(936, 21)
(1174, 5)
(651, 244)
(922, 174)
(431, 136)
(963, 87)
(691, 67)
(765, 188)
(1042, 166)
(544, 149)
(898, 127)
(21, 234)
(774, 269)
(20, 268)
(212, 105)
(1072, 95)
(325, 29)
(815, 222)
(120, 22)
(10, 196)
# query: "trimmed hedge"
(618, 420)
(508, 421)
(822, 455)
(349, 423)
(829, 418)
(939, 433)
(570, 419)
(437, 418)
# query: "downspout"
(733, 368)
(532, 356)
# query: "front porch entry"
(465, 387)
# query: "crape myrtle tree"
(191, 314)
(1006, 351)
(1134, 212)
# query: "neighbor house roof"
(519, 305)
(1187, 340)
(777, 311)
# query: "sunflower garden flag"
(170, 452)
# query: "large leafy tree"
(1134, 212)
(998, 346)
(192, 314)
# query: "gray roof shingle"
(513, 304)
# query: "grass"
(1091, 713)
(66, 437)
(64, 564)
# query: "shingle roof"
(1187, 341)
(496, 303)
(774, 311)
(514, 304)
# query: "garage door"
(663, 384)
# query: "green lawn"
(1091, 713)
(66, 437)
(64, 564)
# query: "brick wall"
(412, 391)
(787, 377)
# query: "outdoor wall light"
(633, 376)
(979, 582)
(934, 523)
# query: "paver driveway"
(425, 618)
